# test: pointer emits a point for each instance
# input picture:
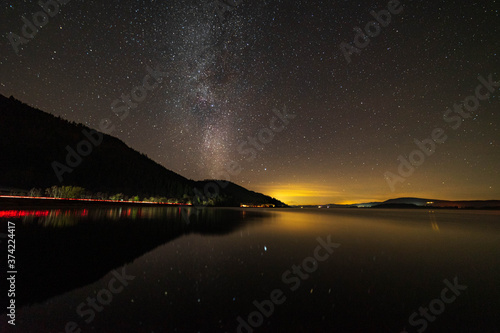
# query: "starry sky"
(264, 89)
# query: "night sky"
(223, 75)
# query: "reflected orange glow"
(291, 221)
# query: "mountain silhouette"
(40, 150)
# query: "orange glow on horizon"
(322, 194)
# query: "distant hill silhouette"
(476, 204)
(31, 140)
(423, 203)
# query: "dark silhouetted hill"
(422, 203)
(31, 140)
(463, 204)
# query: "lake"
(154, 269)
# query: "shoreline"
(20, 201)
(14, 202)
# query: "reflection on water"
(55, 217)
(81, 245)
(203, 273)
(69, 217)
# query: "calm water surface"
(219, 270)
